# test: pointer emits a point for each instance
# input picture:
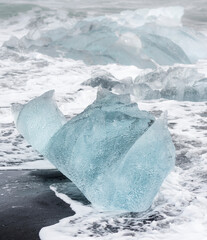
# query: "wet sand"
(27, 204)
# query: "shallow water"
(26, 71)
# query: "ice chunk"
(144, 38)
(111, 150)
(177, 83)
(38, 120)
(102, 79)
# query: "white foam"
(168, 16)
(38, 164)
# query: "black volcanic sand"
(27, 204)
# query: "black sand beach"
(27, 204)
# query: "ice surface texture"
(117, 155)
(144, 38)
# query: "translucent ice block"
(116, 154)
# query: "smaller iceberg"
(102, 79)
(174, 83)
(116, 154)
(178, 83)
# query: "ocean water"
(35, 57)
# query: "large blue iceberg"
(144, 38)
(116, 154)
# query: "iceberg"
(174, 83)
(143, 38)
(178, 83)
(116, 154)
